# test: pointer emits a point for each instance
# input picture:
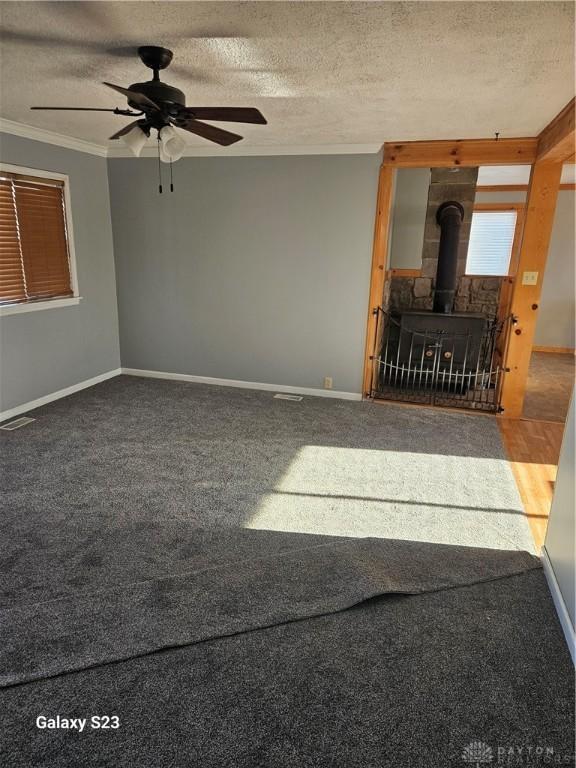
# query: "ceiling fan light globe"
(135, 141)
(171, 145)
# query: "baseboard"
(25, 407)
(560, 605)
(555, 350)
(244, 384)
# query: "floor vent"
(295, 398)
(17, 423)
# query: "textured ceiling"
(321, 72)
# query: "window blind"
(11, 273)
(491, 241)
(34, 258)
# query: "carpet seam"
(535, 567)
(184, 574)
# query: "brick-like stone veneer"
(473, 294)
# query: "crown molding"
(49, 137)
(236, 150)
(247, 150)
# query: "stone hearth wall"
(478, 294)
(473, 294)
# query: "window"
(36, 265)
(491, 241)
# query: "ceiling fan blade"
(233, 114)
(79, 109)
(127, 129)
(134, 96)
(210, 132)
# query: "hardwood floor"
(533, 448)
(533, 442)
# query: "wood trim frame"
(555, 145)
(424, 154)
(378, 270)
(404, 273)
(507, 287)
(538, 218)
(540, 209)
(555, 350)
(502, 188)
(499, 206)
(518, 232)
(518, 188)
(556, 142)
(464, 152)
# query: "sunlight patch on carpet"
(396, 494)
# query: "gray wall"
(255, 268)
(409, 217)
(555, 326)
(44, 351)
(561, 533)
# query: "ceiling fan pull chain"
(159, 168)
(171, 184)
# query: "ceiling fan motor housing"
(166, 96)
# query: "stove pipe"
(449, 217)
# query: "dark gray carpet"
(131, 455)
(394, 681)
(141, 525)
(47, 638)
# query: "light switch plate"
(529, 278)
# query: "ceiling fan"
(163, 107)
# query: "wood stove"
(440, 356)
(438, 341)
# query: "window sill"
(34, 306)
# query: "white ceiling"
(323, 73)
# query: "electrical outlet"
(328, 382)
(529, 278)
